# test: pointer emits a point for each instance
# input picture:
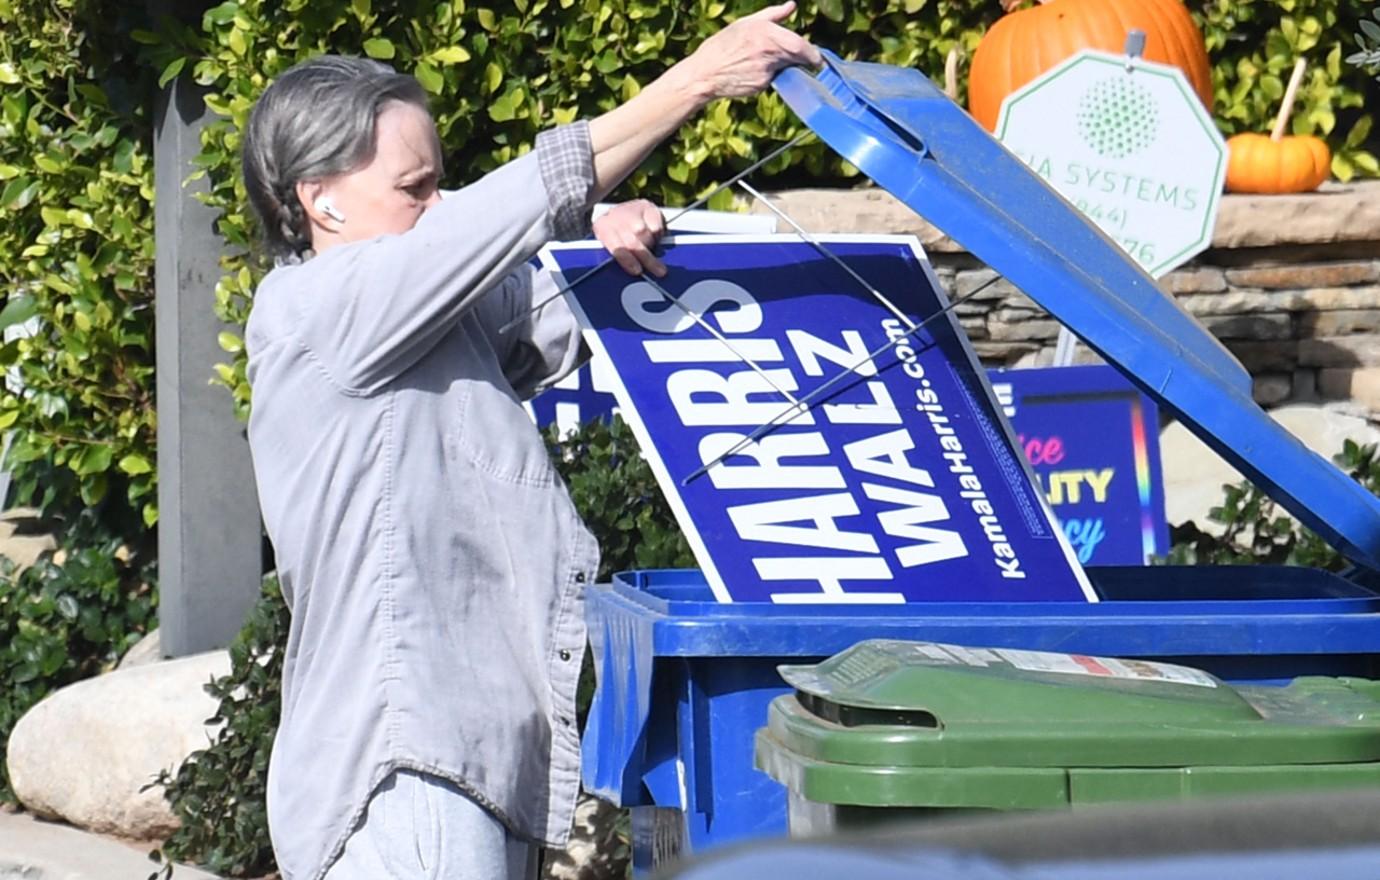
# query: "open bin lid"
(917, 703)
(898, 128)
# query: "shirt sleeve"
(374, 308)
(544, 345)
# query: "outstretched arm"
(737, 61)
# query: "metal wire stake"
(719, 336)
(804, 403)
(817, 245)
(690, 207)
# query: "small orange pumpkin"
(1258, 163)
(1024, 44)
(1276, 162)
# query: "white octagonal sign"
(1129, 143)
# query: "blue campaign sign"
(901, 483)
(1092, 439)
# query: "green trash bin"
(890, 730)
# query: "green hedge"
(76, 244)
(70, 616)
(498, 74)
(76, 255)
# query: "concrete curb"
(31, 849)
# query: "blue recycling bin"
(684, 682)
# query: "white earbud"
(325, 206)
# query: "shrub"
(76, 257)
(1256, 531)
(218, 793)
(69, 616)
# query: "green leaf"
(486, 18)
(230, 342)
(430, 78)
(380, 48)
(18, 193)
(134, 465)
(361, 8)
(224, 13)
(93, 459)
(171, 71)
(450, 55)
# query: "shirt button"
(565, 721)
(579, 577)
(565, 655)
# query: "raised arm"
(737, 61)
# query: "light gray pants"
(420, 827)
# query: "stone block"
(1235, 302)
(1201, 279)
(970, 280)
(1334, 383)
(1270, 389)
(1343, 322)
(871, 210)
(1006, 315)
(1336, 213)
(1360, 386)
(1340, 351)
(1327, 299)
(1306, 276)
(1365, 388)
(975, 327)
(1305, 385)
(1023, 330)
(1259, 327)
(1263, 357)
(1004, 353)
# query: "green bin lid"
(965, 726)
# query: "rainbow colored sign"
(1092, 439)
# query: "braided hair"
(315, 121)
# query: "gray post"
(209, 545)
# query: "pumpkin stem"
(1288, 106)
(951, 74)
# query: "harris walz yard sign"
(901, 483)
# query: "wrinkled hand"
(742, 58)
(629, 231)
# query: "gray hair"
(315, 121)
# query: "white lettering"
(934, 544)
(763, 522)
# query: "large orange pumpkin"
(1024, 44)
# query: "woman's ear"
(320, 210)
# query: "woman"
(429, 553)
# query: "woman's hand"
(741, 59)
(629, 231)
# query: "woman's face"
(389, 194)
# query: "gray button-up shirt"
(429, 552)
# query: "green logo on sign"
(1117, 117)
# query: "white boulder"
(87, 753)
